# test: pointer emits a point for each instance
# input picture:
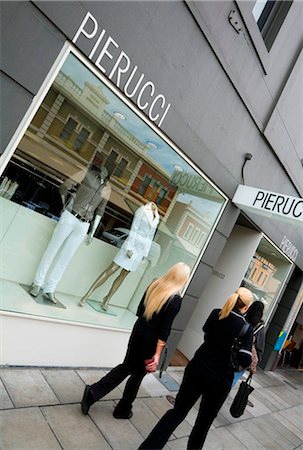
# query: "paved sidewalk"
(40, 409)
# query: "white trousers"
(66, 239)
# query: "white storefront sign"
(194, 185)
(106, 49)
(271, 204)
(289, 249)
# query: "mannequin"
(83, 209)
(130, 255)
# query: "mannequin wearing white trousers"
(133, 250)
(73, 225)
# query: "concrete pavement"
(40, 409)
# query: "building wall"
(223, 102)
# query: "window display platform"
(67, 337)
(14, 298)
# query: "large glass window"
(266, 274)
(92, 192)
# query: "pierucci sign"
(104, 50)
(271, 204)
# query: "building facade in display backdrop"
(86, 168)
(124, 141)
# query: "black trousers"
(193, 385)
(113, 379)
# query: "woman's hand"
(152, 366)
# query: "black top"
(213, 357)
(161, 322)
(144, 337)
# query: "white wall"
(42, 342)
(225, 279)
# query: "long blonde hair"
(160, 290)
(242, 297)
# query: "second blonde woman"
(156, 312)
(209, 373)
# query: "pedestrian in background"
(209, 373)
(254, 317)
(156, 312)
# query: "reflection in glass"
(266, 274)
(81, 127)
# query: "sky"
(159, 150)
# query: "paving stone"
(292, 396)
(5, 401)
(159, 406)
(66, 384)
(119, 433)
(72, 429)
(266, 379)
(258, 428)
(26, 429)
(27, 387)
(92, 376)
(283, 429)
(249, 440)
(228, 440)
(152, 387)
(178, 444)
(294, 415)
(143, 417)
(270, 399)
(283, 419)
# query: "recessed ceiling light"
(151, 145)
(119, 116)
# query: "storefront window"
(266, 274)
(93, 193)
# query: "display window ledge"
(15, 301)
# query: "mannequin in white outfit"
(85, 208)
(130, 255)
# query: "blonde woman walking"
(209, 373)
(156, 312)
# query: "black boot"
(87, 401)
(121, 412)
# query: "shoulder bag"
(236, 347)
(239, 403)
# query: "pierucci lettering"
(278, 203)
(104, 47)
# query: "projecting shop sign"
(277, 206)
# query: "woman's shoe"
(82, 301)
(122, 415)
(86, 402)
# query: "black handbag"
(235, 349)
(240, 401)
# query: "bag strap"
(259, 327)
(244, 330)
(249, 378)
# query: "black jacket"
(213, 357)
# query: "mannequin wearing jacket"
(130, 255)
(83, 209)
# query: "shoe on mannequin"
(50, 296)
(34, 290)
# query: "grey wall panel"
(188, 305)
(214, 249)
(11, 95)
(30, 44)
(228, 219)
(199, 280)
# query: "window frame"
(246, 11)
(67, 49)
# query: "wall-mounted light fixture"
(247, 157)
